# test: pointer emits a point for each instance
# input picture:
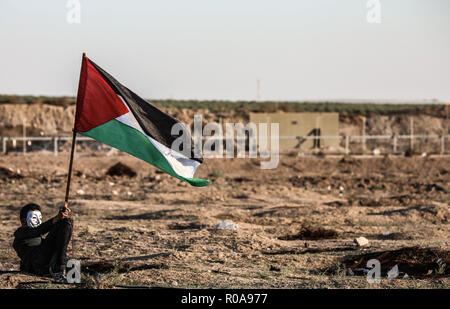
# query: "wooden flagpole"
(69, 174)
(74, 138)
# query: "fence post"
(363, 140)
(55, 146)
(347, 150)
(442, 144)
(24, 129)
(5, 139)
(395, 143)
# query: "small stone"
(173, 283)
(361, 241)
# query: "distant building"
(302, 124)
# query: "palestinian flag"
(112, 114)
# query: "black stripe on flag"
(154, 122)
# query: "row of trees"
(341, 107)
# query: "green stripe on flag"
(123, 137)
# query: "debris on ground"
(393, 273)
(274, 268)
(105, 267)
(224, 225)
(410, 152)
(348, 160)
(120, 169)
(118, 266)
(312, 233)
(8, 173)
(406, 262)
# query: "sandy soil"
(155, 230)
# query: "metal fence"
(368, 144)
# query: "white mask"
(34, 218)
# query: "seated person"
(42, 256)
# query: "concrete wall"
(301, 124)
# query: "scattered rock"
(361, 241)
(120, 169)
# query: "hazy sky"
(211, 49)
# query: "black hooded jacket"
(27, 239)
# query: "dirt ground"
(295, 224)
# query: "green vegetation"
(252, 106)
(29, 99)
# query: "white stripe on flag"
(181, 164)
